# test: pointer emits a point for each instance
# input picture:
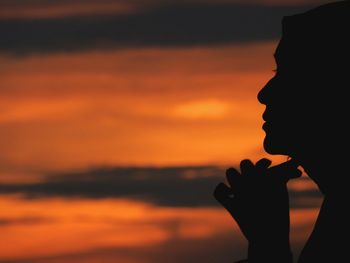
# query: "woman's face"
(282, 115)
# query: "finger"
(247, 167)
(233, 178)
(286, 165)
(295, 174)
(224, 196)
(222, 190)
(263, 163)
(283, 167)
(285, 171)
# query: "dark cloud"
(164, 186)
(172, 25)
(172, 186)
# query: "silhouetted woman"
(306, 118)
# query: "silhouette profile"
(306, 118)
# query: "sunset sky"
(119, 117)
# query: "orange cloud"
(132, 107)
(207, 109)
(79, 226)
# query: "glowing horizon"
(117, 120)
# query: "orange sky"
(147, 107)
(76, 226)
(137, 107)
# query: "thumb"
(286, 171)
(224, 195)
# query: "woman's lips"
(264, 115)
(264, 127)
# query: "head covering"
(318, 39)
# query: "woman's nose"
(263, 94)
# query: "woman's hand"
(257, 198)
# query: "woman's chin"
(274, 146)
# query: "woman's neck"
(325, 173)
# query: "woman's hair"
(314, 52)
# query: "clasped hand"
(257, 198)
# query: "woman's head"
(306, 100)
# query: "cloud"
(27, 220)
(207, 109)
(225, 244)
(65, 8)
(61, 8)
(170, 186)
(165, 26)
(217, 248)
